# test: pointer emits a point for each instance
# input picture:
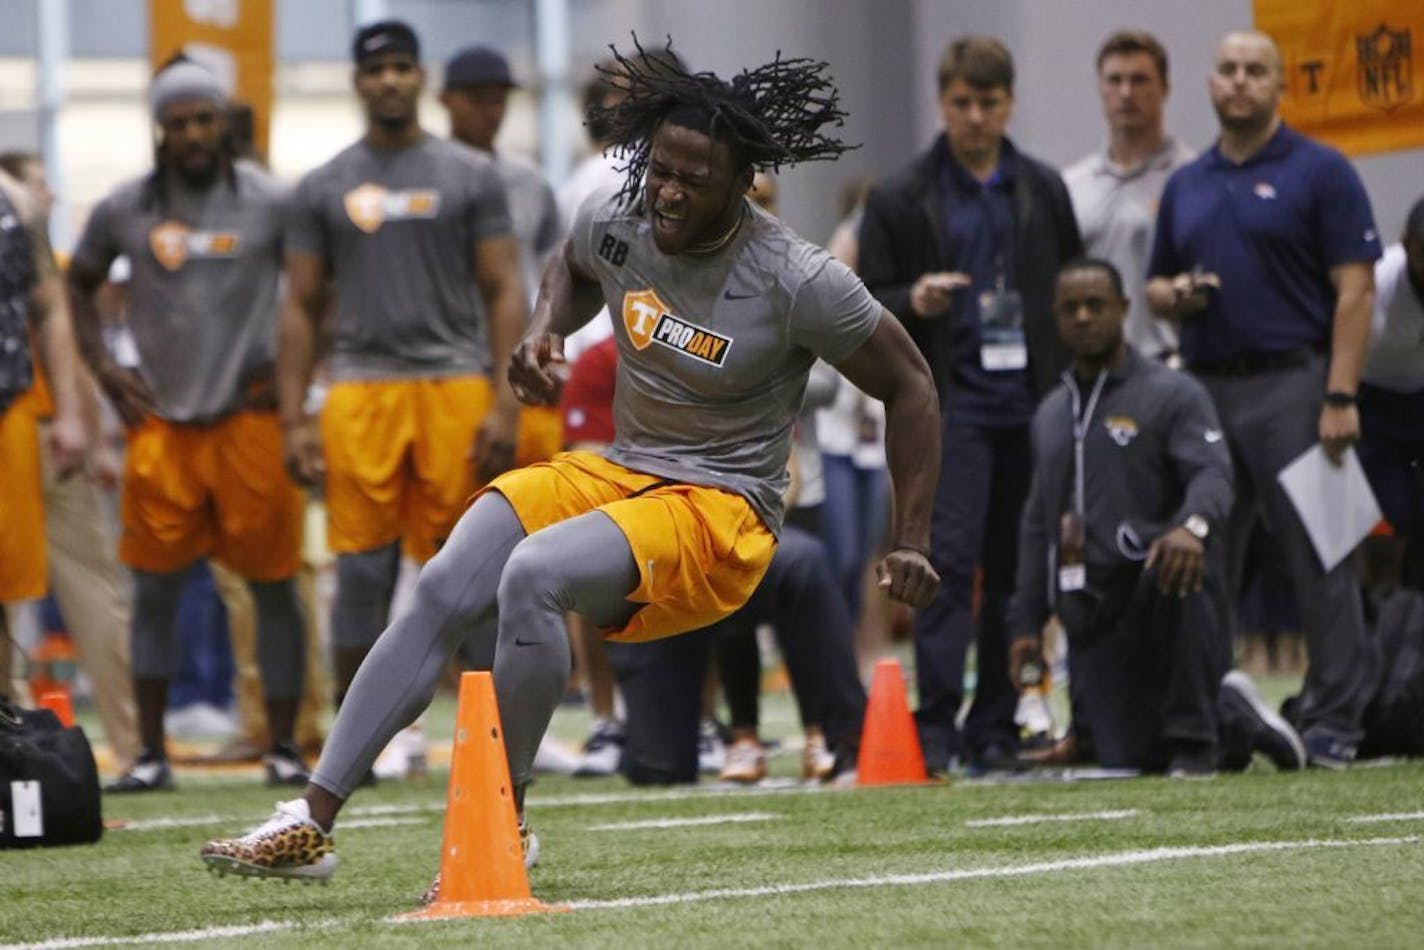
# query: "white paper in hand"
(1334, 502)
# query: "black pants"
(1146, 669)
(662, 681)
(983, 481)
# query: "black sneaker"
(994, 757)
(1327, 752)
(1271, 735)
(149, 774)
(1192, 760)
(284, 766)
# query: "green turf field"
(1255, 859)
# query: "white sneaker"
(604, 749)
(817, 762)
(405, 756)
(746, 762)
(1034, 718)
(711, 750)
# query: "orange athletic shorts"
(22, 525)
(220, 490)
(701, 552)
(398, 458)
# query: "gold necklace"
(712, 247)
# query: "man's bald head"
(1246, 81)
(1255, 38)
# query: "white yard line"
(732, 819)
(766, 787)
(178, 936)
(154, 824)
(1009, 820)
(1086, 863)
(1116, 859)
(378, 823)
(1398, 816)
(198, 821)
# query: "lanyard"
(1082, 420)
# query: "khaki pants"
(92, 590)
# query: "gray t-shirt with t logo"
(713, 352)
(398, 230)
(202, 291)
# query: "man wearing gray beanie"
(204, 476)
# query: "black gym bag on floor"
(49, 785)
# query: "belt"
(1249, 364)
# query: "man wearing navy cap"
(1263, 254)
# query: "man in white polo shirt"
(1115, 190)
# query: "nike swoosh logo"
(526, 643)
(731, 296)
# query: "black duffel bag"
(49, 784)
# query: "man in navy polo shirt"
(1263, 252)
(963, 246)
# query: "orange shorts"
(196, 490)
(701, 552)
(22, 524)
(397, 458)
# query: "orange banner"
(1354, 71)
(233, 38)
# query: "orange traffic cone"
(889, 745)
(57, 701)
(481, 863)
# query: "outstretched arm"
(888, 367)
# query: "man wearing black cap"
(414, 234)
(476, 94)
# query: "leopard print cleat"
(289, 845)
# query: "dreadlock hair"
(768, 117)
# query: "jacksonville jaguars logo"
(1122, 429)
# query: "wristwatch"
(1339, 400)
(1197, 526)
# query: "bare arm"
(302, 311)
(568, 299)
(888, 367)
(496, 268)
(1354, 303)
(50, 312)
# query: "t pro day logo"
(175, 244)
(369, 205)
(647, 320)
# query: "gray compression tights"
(281, 650)
(492, 583)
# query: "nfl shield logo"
(1386, 68)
